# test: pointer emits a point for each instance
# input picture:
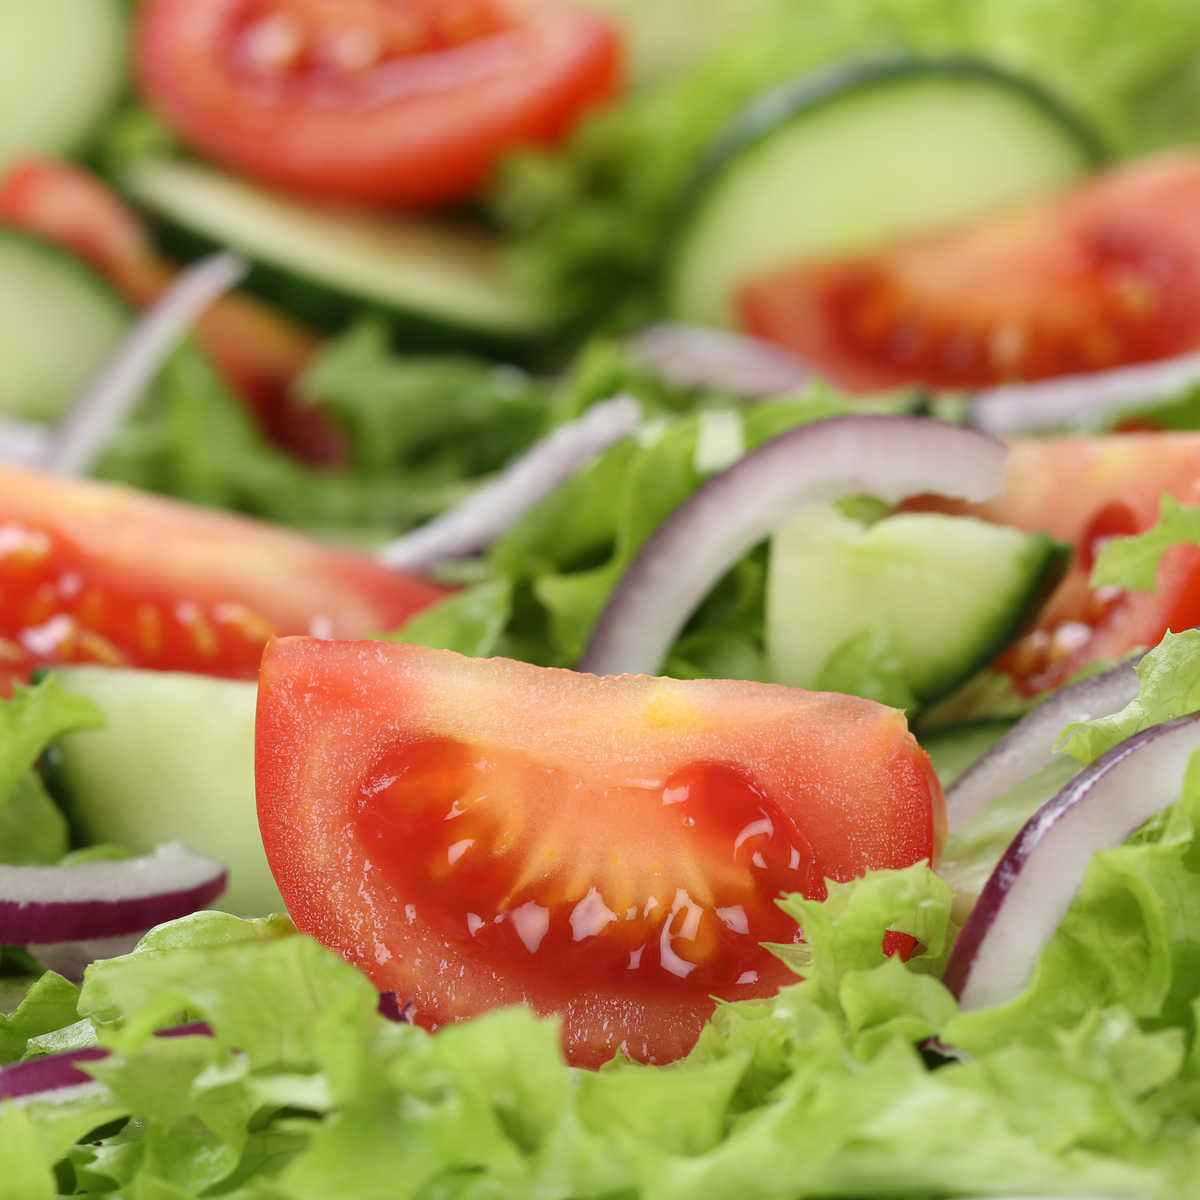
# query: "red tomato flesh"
(479, 832)
(94, 573)
(389, 101)
(1083, 490)
(258, 349)
(1104, 275)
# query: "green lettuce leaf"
(32, 829)
(1132, 562)
(1169, 687)
(868, 664)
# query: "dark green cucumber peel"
(846, 578)
(505, 320)
(814, 95)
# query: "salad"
(591, 611)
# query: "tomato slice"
(258, 350)
(1083, 490)
(1104, 275)
(94, 573)
(479, 832)
(390, 101)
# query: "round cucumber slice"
(948, 591)
(58, 325)
(62, 66)
(845, 159)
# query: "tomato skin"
(608, 849)
(1104, 275)
(434, 93)
(95, 573)
(1083, 490)
(258, 350)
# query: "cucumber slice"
(175, 759)
(846, 159)
(58, 324)
(62, 66)
(951, 591)
(327, 262)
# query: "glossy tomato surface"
(1104, 275)
(479, 832)
(1084, 490)
(391, 101)
(95, 573)
(259, 351)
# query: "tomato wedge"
(390, 101)
(1104, 275)
(94, 573)
(1083, 490)
(257, 349)
(479, 832)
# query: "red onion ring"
(104, 899)
(889, 457)
(24, 441)
(1035, 881)
(56, 1077)
(1029, 745)
(86, 430)
(489, 512)
(1080, 401)
(695, 356)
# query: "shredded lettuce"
(1132, 562)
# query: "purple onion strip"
(84, 433)
(104, 899)
(888, 457)
(695, 356)
(24, 441)
(1029, 745)
(488, 513)
(1080, 401)
(1040, 873)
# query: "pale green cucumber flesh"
(951, 591)
(173, 761)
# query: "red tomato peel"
(1084, 490)
(1101, 276)
(410, 102)
(94, 573)
(473, 832)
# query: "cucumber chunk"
(174, 760)
(843, 160)
(62, 66)
(58, 325)
(326, 262)
(951, 591)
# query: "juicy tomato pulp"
(476, 832)
(1084, 490)
(258, 350)
(91, 573)
(1101, 276)
(392, 101)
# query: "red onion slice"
(24, 441)
(889, 457)
(1034, 883)
(104, 899)
(1029, 745)
(1080, 401)
(87, 428)
(57, 1078)
(695, 356)
(489, 512)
